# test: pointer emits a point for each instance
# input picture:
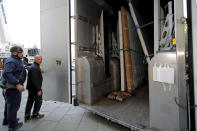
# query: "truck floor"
(133, 112)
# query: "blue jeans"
(13, 99)
(5, 109)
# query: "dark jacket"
(13, 71)
(25, 61)
(34, 81)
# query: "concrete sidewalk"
(60, 116)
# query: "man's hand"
(20, 88)
(39, 93)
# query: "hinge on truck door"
(82, 18)
(73, 43)
(83, 48)
(182, 20)
(79, 17)
(73, 17)
(79, 82)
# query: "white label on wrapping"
(155, 73)
(170, 78)
(163, 74)
(167, 75)
(159, 76)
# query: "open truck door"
(55, 49)
(192, 47)
(194, 33)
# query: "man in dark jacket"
(14, 76)
(34, 84)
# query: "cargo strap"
(147, 24)
(145, 57)
(127, 49)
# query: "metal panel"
(52, 4)
(194, 38)
(164, 115)
(55, 49)
(156, 25)
(168, 102)
(180, 52)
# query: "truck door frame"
(191, 7)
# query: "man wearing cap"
(13, 77)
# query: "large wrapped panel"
(88, 14)
(115, 74)
(90, 79)
(139, 69)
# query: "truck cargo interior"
(103, 60)
(129, 59)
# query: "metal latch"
(74, 17)
(182, 20)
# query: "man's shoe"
(5, 123)
(37, 116)
(27, 118)
(17, 127)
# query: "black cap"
(16, 49)
(20, 49)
